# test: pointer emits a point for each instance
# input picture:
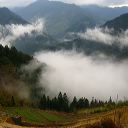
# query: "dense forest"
(10, 56)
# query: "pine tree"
(13, 101)
(65, 103)
(60, 102)
(73, 105)
(110, 100)
(86, 103)
(92, 102)
(43, 102)
(48, 105)
(54, 104)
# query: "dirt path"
(82, 123)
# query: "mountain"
(119, 23)
(102, 14)
(94, 47)
(8, 17)
(35, 43)
(26, 43)
(60, 17)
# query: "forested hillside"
(10, 56)
(118, 24)
(16, 81)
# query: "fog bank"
(9, 33)
(80, 75)
(104, 35)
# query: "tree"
(86, 103)
(48, 103)
(54, 103)
(73, 105)
(13, 102)
(92, 102)
(60, 102)
(65, 103)
(43, 102)
(110, 100)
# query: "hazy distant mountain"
(60, 17)
(35, 43)
(8, 17)
(94, 47)
(103, 14)
(28, 44)
(119, 23)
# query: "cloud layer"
(100, 2)
(9, 33)
(79, 75)
(104, 35)
(15, 3)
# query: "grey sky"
(14, 3)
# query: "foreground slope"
(40, 118)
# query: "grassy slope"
(94, 110)
(37, 116)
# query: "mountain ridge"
(119, 23)
(60, 17)
(8, 17)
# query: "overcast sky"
(14, 3)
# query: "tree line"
(13, 56)
(62, 103)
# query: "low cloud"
(16, 3)
(99, 2)
(9, 33)
(80, 75)
(104, 35)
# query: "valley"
(63, 64)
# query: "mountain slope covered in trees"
(15, 79)
(94, 47)
(12, 56)
(119, 23)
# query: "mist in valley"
(83, 76)
(73, 72)
(11, 32)
(105, 35)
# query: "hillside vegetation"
(118, 24)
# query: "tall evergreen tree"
(43, 102)
(86, 103)
(60, 102)
(73, 105)
(65, 103)
(13, 101)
